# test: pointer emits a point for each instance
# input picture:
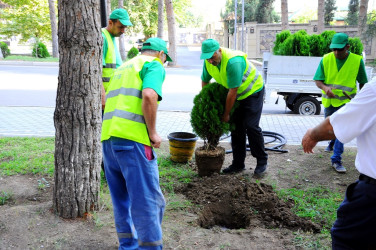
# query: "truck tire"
(307, 105)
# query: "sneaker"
(338, 167)
(231, 170)
(328, 149)
(260, 169)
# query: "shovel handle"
(347, 95)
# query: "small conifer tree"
(206, 114)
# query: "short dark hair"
(114, 20)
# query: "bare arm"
(323, 131)
(326, 89)
(203, 84)
(230, 100)
(103, 97)
(149, 109)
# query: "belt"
(367, 179)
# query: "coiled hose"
(272, 137)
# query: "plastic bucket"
(182, 146)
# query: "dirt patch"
(27, 222)
(232, 201)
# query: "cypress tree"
(330, 8)
(353, 14)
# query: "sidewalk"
(38, 121)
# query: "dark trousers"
(355, 227)
(247, 119)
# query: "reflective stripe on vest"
(110, 60)
(342, 80)
(123, 116)
(251, 82)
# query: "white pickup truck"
(292, 78)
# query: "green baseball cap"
(122, 16)
(156, 44)
(339, 41)
(208, 47)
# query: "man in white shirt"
(355, 227)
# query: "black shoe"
(231, 169)
(261, 169)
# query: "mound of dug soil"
(232, 201)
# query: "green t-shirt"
(105, 48)
(153, 75)
(234, 70)
(361, 77)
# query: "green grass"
(172, 173)
(4, 197)
(30, 58)
(317, 203)
(26, 155)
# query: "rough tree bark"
(284, 15)
(55, 45)
(108, 8)
(123, 54)
(362, 23)
(77, 114)
(320, 16)
(160, 19)
(171, 32)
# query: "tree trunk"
(55, 48)
(171, 32)
(108, 6)
(77, 114)
(320, 16)
(362, 23)
(160, 19)
(123, 54)
(284, 15)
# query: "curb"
(27, 63)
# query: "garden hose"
(273, 137)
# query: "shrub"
(132, 53)
(314, 43)
(206, 114)
(4, 49)
(295, 45)
(40, 50)
(356, 45)
(280, 38)
(326, 40)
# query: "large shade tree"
(55, 49)
(362, 27)
(77, 114)
(284, 15)
(320, 16)
(27, 18)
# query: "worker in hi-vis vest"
(336, 76)
(128, 135)
(231, 69)
(119, 20)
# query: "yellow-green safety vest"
(252, 81)
(343, 80)
(110, 60)
(123, 116)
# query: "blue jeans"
(355, 227)
(137, 199)
(337, 145)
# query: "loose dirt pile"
(233, 201)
